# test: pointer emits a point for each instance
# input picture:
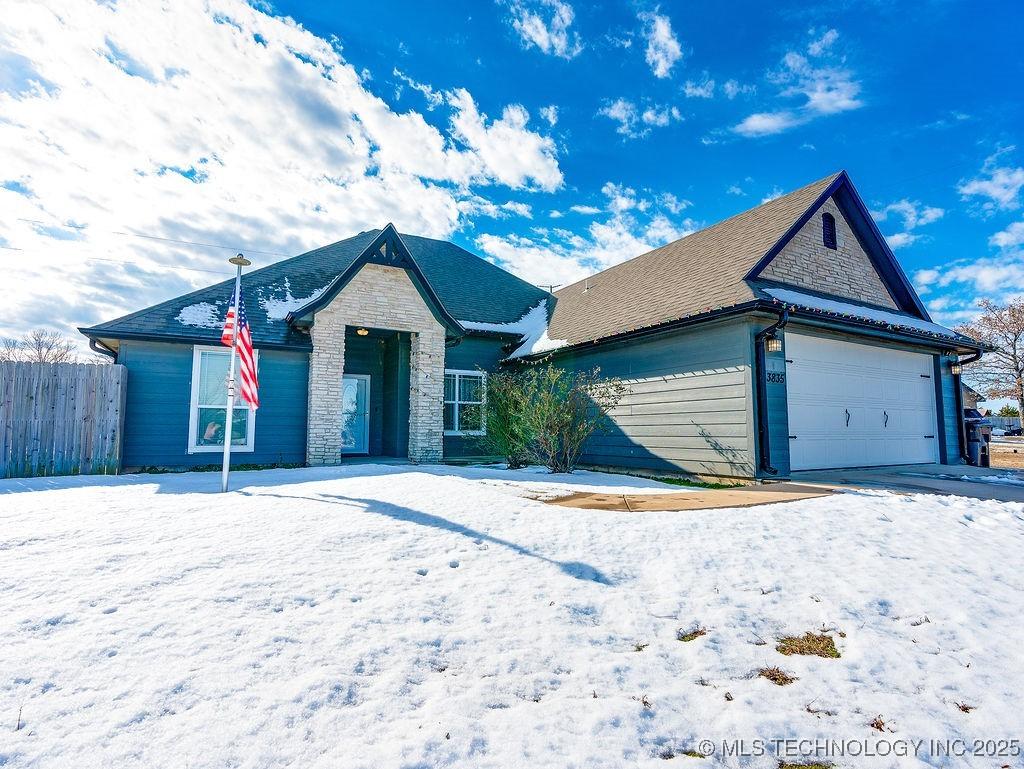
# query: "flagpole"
(239, 261)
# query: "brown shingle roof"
(701, 272)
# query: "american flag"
(247, 373)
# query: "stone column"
(326, 366)
(426, 396)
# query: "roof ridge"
(778, 201)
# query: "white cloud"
(998, 185)
(632, 227)
(222, 125)
(1011, 237)
(824, 88)
(735, 189)
(776, 192)
(733, 88)
(634, 121)
(663, 49)
(820, 45)
(900, 239)
(585, 210)
(766, 123)
(434, 98)
(550, 114)
(703, 90)
(913, 213)
(545, 24)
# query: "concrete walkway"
(959, 480)
(697, 499)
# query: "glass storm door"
(355, 410)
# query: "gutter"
(761, 391)
(958, 398)
(98, 347)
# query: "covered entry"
(375, 393)
(858, 405)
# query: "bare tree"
(39, 346)
(1000, 374)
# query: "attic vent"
(828, 230)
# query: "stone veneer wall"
(376, 297)
(846, 271)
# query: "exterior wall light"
(362, 331)
(955, 368)
(772, 344)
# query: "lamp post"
(239, 261)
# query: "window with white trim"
(464, 395)
(208, 406)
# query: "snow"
(200, 315)
(533, 327)
(866, 313)
(278, 307)
(999, 480)
(388, 616)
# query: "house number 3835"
(776, 377)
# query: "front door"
(355, 409)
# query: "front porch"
(376, 373)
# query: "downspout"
(958, 399)
(101, 349)
(761, 391)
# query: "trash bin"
(979, 434)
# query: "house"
(784, 338)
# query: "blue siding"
(157, 408)
(950, 419)
(471, 354)
(689, 408)
(778, 406)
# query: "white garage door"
(854, 405)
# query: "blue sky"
(553, 137)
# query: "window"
(208, 409)
(464, 402)
(828, 230)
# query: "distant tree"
(1008, 411)
(1000, 374)
(39, 346)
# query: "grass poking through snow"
(690, 635)
(777, 676)
(817, 644)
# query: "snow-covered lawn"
(400, 617)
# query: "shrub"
(546, 414)
(565, 409)
(508, 429)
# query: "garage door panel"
(888, 394)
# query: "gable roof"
(460, 285)
(715, 268)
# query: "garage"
(858, 405)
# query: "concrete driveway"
(960, 480)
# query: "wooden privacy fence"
(60, 418)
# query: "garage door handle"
(847, 417)
(886, 419)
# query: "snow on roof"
(533, 327)
(277, 308)
(200, 315)
(858, 311)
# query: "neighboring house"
(784, 338)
